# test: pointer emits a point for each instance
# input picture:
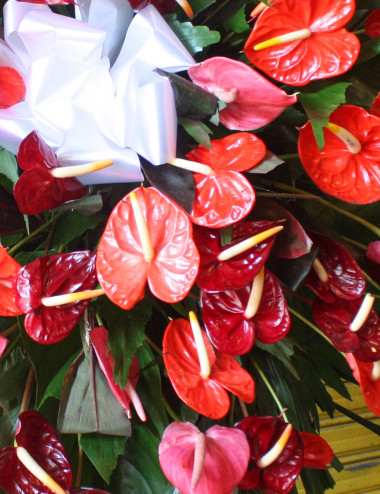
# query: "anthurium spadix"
(203, 463)
(91, 89)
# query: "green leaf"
(316, 481)
(128, 480)
(198, 5)
(73, 226)
(357, 418)
(282, 350)
(126, 333)
(238, 22)
(195, 38)
(8, 165)
(269, 163)
(8, 423)
(198, 131)
(369, 49)
(12, 381)
(103, 452)
(319, 104)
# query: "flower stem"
(311, 325)
(80, 463)
(169, 409)
(27, 390)
(153, 345)
(10, 330)
(290, 156)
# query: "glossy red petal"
(328, 52)
(281, 475)
(8, 269)
(334, 320)
(317, 453)
(372, 24)
(350, 177)
(122, 269)
(225, 462)
(258, 101)
(49, 276)
(345, 278)
(12, 87)
(33, 152)
(163, 6)
(370, 388)
(239, 271)
(41, 441)
(207, 396)
(230, 331)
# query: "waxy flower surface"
(348, 166)
(209, 463)
(307, 40)
(8, 270)
(368, 376)
(91, 89)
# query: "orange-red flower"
(8, 270)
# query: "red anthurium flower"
(276, 454)
(368, 376)
(335, 271)
(234, 318)
(39, 463)
(201, 375)
(99, 339)
(147, 238)
(375, 107)
(252, 101)
(224, 196)
(163, 6)
(3, 344)
(348, 167)
(316, 452)
(352, 326)
(209, 463)
(372, 24)
(8, 269)
(12, 87)
(298, 41)
(218, 271)
(51, 276)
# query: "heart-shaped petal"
(369, 385)
(8, 269)
(12, 87)
(317, 453)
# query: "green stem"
(80, 464)
(10, 348)
(270, 388)
(153, 345)
(290, 156)
(169, 409)
(328, 204)
(354, 242)
(10, 330)
(34, 234)
(371, 281)
(27, 390)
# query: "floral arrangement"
(189, 242)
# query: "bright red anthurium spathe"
(201, 375)
(234, 318)
(49, 319)
(348, 167)
(39, 463)
(12, 87)
(203, 463)
(252, 101)
(352, 325)
(99, 340)
(372, 24)
(163, 6)
(234, 265)
(148, 238)
(368, 376)
(335, 271)
(298, 41)
(45, 185)
(8, 269)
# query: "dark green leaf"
(198, 131)
(8, 165)
(357, 418)
(8, 423)
(238, 22)
(316, 481)
(199, 5)
(128, 480)
(369, 49)
(291, 272)
(73, 226)
(195, 38)
(282, 350)
(88, 205)
(13, 380)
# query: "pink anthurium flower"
(368, 376)
(224, 196)
(12, 87)
(234, 318)
(298, 41)
(201, 375)
(8, 270)
(3, 344)
(99, 339)
(252, 101)
(203, 463)
(348, 166)
(36, 284)
(39, 463)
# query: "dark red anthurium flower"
(203, 463)
(252, 101)
(51, 276)
(368, 376)
(37, 440)
(12, 87)
(224, 196)
(99, 340)
(163, 6)
(234, 318)
(8, 269)
(201, 379)
(276, 454)
(37, 189)
(375, 107)
(348, 167)
(218, 271)
(298, 41)
(316, 452)
(372, 24)
(148, 238)
(352, 326)
(335, 272)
